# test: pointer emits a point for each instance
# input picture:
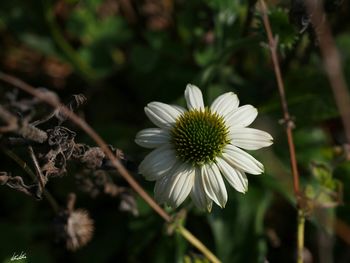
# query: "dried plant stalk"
(288, 127)
(114, 160)
(331, 61)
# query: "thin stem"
(300, 231)
(101, 143)
(39, 174)
(29, 171)
(288, 122)
(288, 127)
(197, 243)
(331, 61)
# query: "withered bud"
(93, 158)
(74, 228)
(60, 136)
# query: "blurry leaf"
(40, 43)
(322, 174)
(282, 28)
(323, 190)
(239, 224)
(204, 57)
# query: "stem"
(116, 163)
(300, 231)
(197, 243)
(288, 122)
(29, 171)
(331, 61)
(39, 175)
(289, 125)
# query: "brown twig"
(342, 229)
(26, 168)
(331, 61)
(9, 118)
(289, 125)
(39, 175)
(15, 182)
(286, 116)
(84, 126)
(26, 130)
(116, 163)
(71, 199)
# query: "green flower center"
(199, 136)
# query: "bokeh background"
(122, 54)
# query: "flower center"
(199, 136)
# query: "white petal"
(194, 97)
(160, 194)
(250, 139)
(152, 138)
(242, 117)
(235, 177)
(161, 114)
(198, 194)
(160, 189)
(242, 160)
(225, 103)
(157, 163)
(180, 184)
(214, 185)
(180, 109)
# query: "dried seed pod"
(74, 228)
(79, 229)
(93, 158)
(61, 136)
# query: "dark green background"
(121, 60)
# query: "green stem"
(197, 243)
(301, 229)
(259, 226)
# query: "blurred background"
(123, 54)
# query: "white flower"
(195, 148)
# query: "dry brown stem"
(331, 61)
(114, 160)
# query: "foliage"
(122, 55)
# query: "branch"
(114, 160)
(331, 61)
(27, 131)
(289, 125)
(26, 168)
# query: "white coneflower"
(196, 148)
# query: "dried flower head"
(74, 226)
(79, 229)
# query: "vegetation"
(105, 60)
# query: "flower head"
(75, 228)
(195, 148)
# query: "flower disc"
(199, 136)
